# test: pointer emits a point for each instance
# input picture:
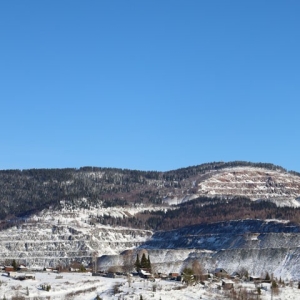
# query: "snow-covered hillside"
(71, 229)
(259, 246)
(278, 186)
(54, 238)
(255, 183)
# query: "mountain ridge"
(54, 217)
(27, 191)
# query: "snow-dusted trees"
(193, 274)
(14, 264)
(267, 277)
(188, 276)
(144, 263)
(137, 263)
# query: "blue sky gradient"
(149, 85)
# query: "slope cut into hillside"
(255, 245)
(24, 192)
(278, 186)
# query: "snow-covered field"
(86, 287)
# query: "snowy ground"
(83, 286)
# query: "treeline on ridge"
(26, 191)
(206, 210)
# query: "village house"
(76, 267)
(227, 284)
(22, 268)
(162, 275)
(145, 274)
(16, 275)
(220, 273)
(48, 269)
(21, 276)
(173, 276)
(255, 279)
(9, 269)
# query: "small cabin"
(173, 276)
(227, 284)
(22, 268)
(255, 278)
(9, 269)
(221, 273)
(74, 269)
(48, 269)
(145, 274)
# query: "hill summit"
(29, 191)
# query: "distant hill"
(57, 216)
(29, 191)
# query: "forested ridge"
(206, 210)
(26, 191)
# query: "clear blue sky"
(149, 85)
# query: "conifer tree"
(137, 263)
(14, 264)
(144, 261)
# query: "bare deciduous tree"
(128, 261)
(198, 270)
(243, 272)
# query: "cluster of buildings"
(19, 273)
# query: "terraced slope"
(258, 246)
(254, 183)
(278, 186)
(52, 238)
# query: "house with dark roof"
(221, 273)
